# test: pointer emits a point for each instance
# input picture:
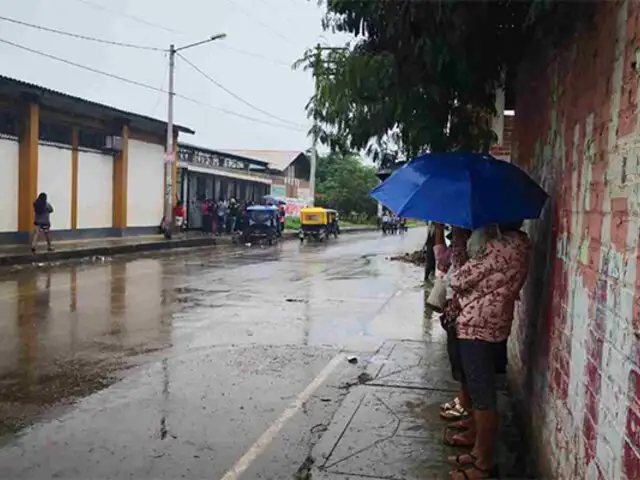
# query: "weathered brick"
(576, 130)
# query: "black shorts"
(480, 360)
(453, 350)
(45, 227)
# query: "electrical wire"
(234, 95)
(129, 16)
(273, 61)
(162, 85)
(249, 15)
(240, 115)
(144, 85)
(82, 37)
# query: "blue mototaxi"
(261, 223)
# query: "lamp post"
(170, 157)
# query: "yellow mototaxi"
(318, 223)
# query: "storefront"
(205, 174)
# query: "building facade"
(289, 171)
(205, 174)
(102, 168)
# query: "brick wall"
(503, 150)
(575, 346)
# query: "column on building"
(28, 165)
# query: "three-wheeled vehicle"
(261, 223)
(318, 223)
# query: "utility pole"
(170, 156)
(314, 162)
(314, 150)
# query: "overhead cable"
(144, 85)
(234, 95)
(82, 37)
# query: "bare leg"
(47, 236)
(469, 435)
(34, 238)
(480, 462)
(487, 426)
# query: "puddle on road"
(27, 394)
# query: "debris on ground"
(419, 257)
(296, 300)
(352, 359)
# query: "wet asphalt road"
(202, 364)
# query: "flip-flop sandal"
(454, 440)
(450, 405)
(457, 413)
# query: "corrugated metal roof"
(79, 106)
(277, 159)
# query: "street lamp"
(170, 155)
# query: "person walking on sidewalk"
(42, 211)
(486, 287)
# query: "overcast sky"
(274, 32)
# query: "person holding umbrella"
(486, 289)
(490, 197)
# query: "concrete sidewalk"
(103, 247)
(389, 427)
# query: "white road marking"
(268, 436)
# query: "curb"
(108, 251)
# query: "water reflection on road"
(69, 331)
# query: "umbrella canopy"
(468, 190)
(274, 200)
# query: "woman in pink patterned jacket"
(487, 287)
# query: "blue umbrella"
(274, 200)
(468, 190)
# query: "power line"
(240, 115)
(78, 65)
(248, 14)
(129, 16)
(143, 85)
(160, 94)
(237, 97)
(82, 37)
(254, 55)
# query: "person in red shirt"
(283, 219)
(178, 214)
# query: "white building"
(102, 168)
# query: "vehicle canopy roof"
(313, 210)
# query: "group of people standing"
(478, 277)
(229, 216)
(223, 216)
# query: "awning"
(225, 173)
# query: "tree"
(344, 183)
(424, 71)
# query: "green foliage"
(343, 183)
(425, 72)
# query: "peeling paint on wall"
(576, 353)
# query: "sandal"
(450, 405)
(456, 413)
(455, 440)
(488, 473)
